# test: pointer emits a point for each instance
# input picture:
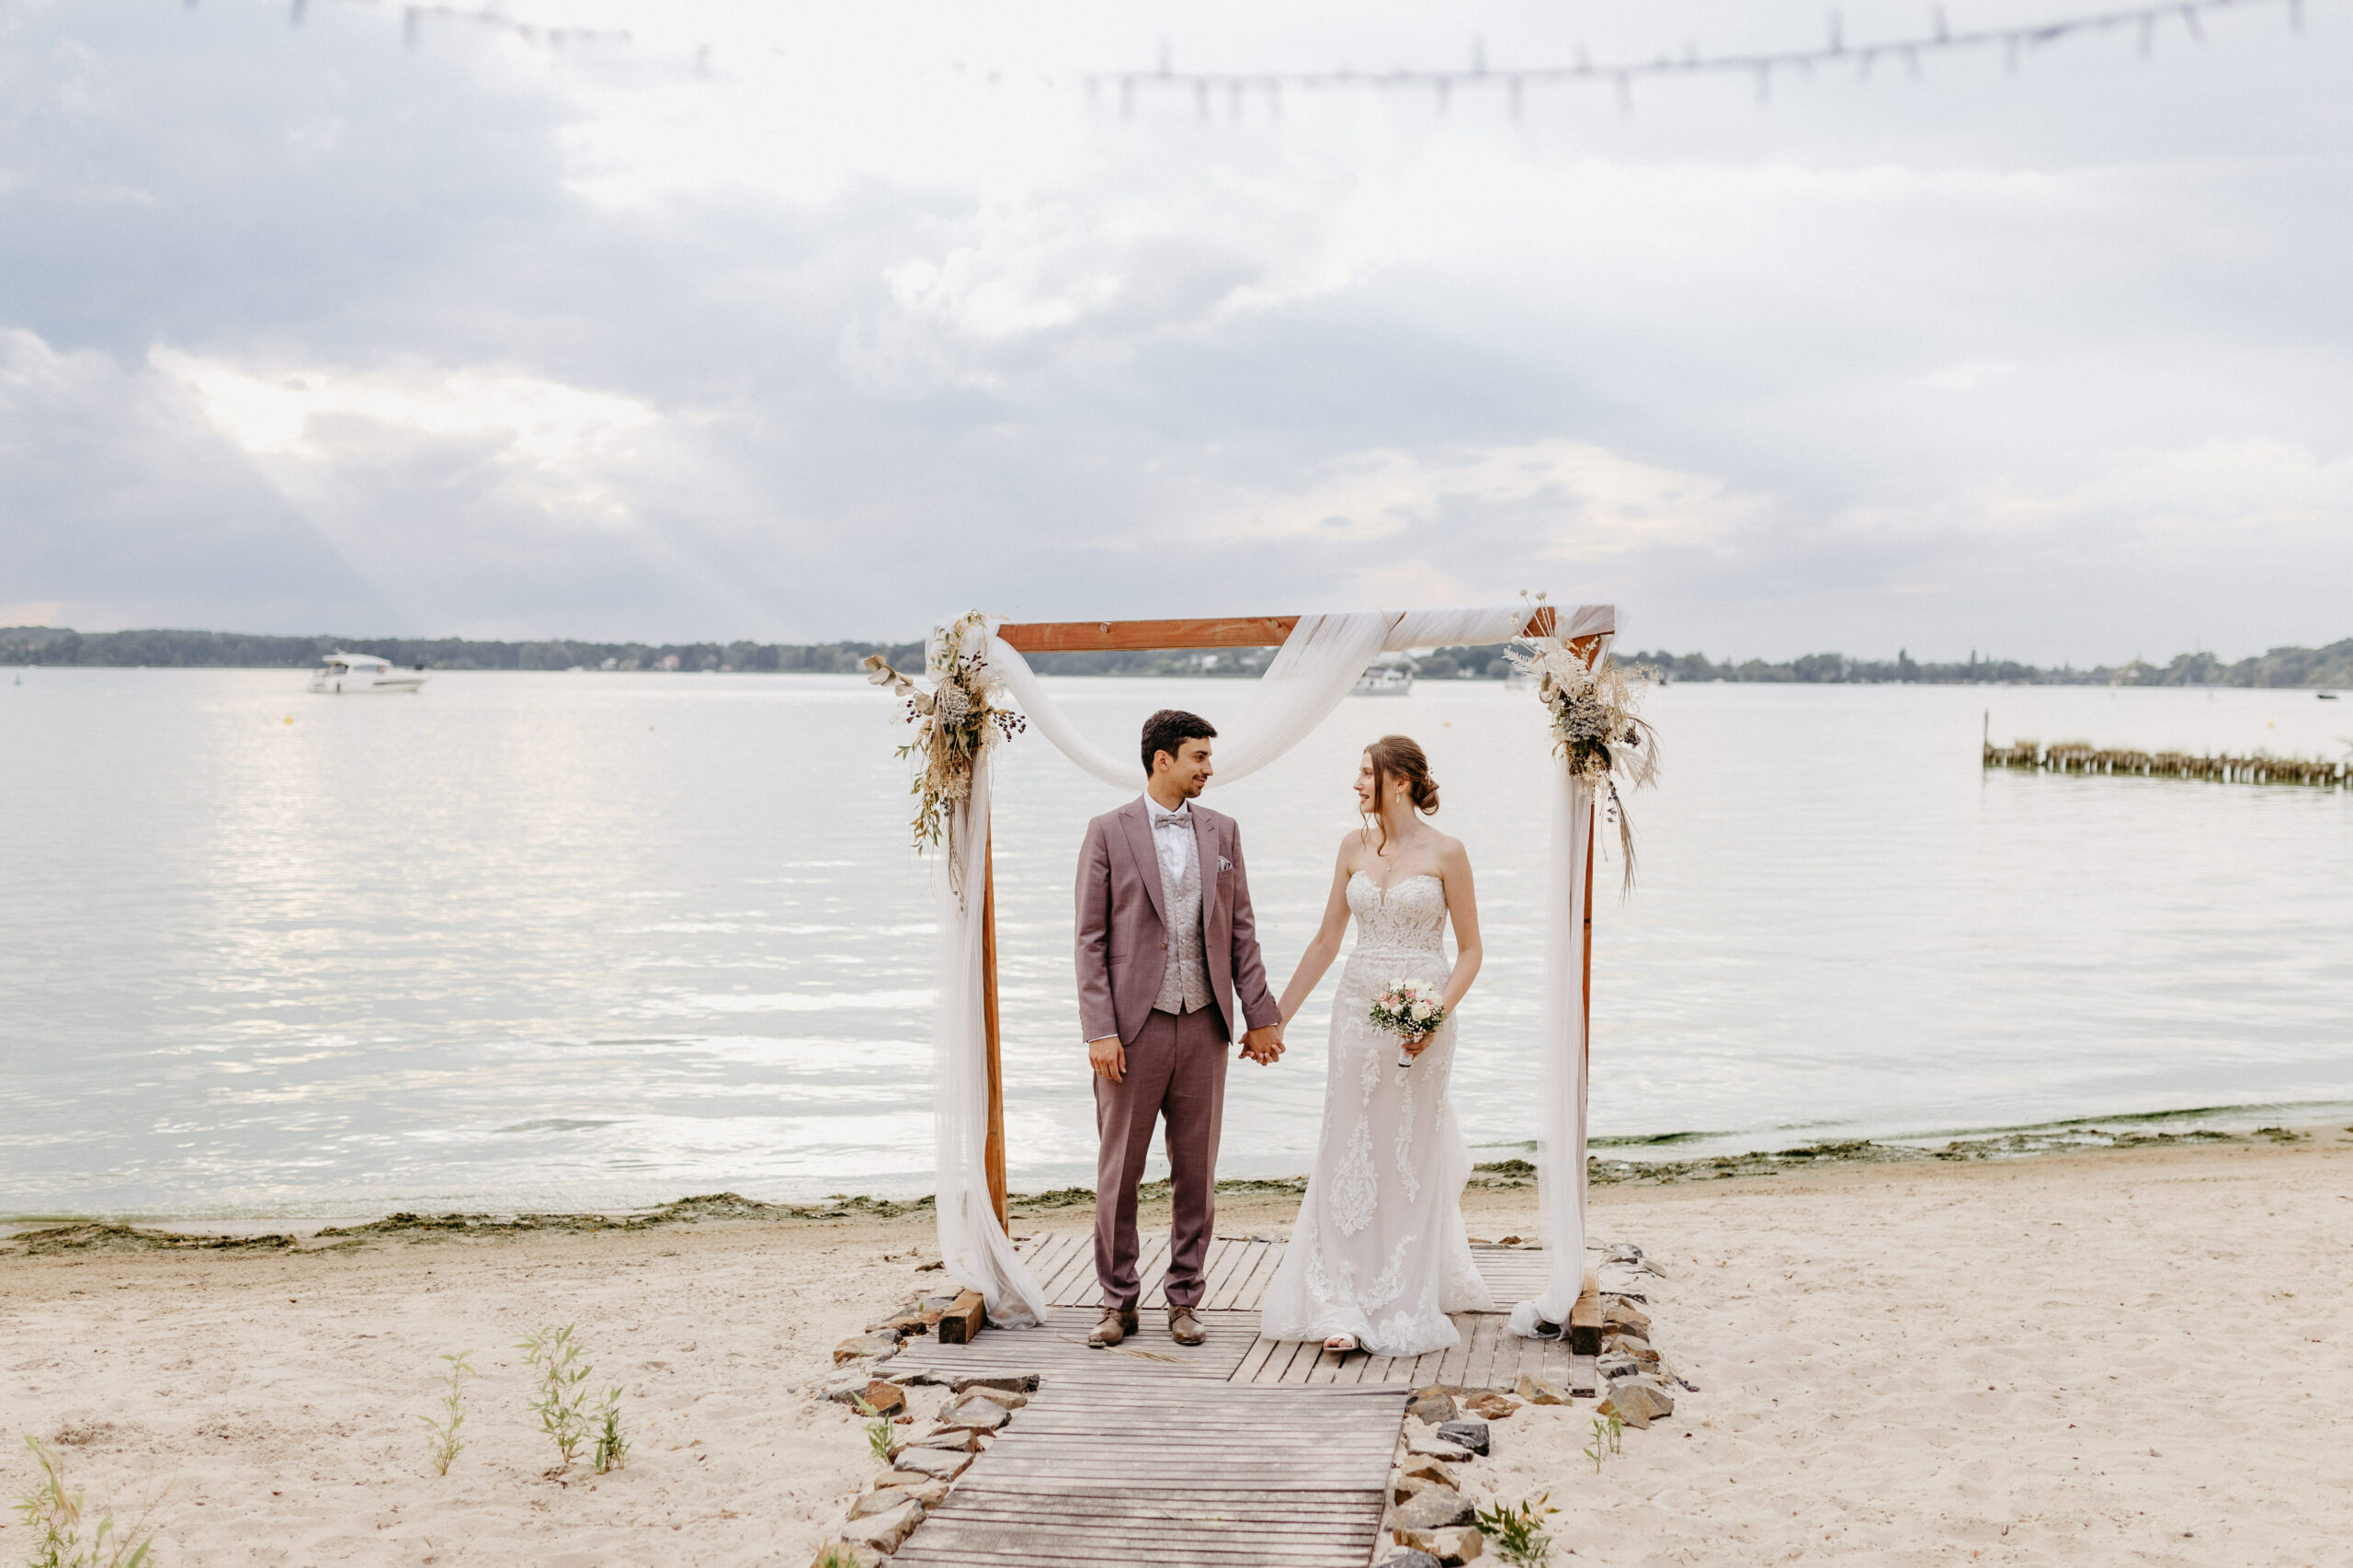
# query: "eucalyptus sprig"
(956, 718)
(1596, 718)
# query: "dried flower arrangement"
(1597, 726)
(955, 720)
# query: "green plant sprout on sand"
(1518, 1530)
(834, 1557)
(1609, 1438)
(878, 1434)
(445, 1445)
(57, 1516)
(562, 1406)
(613, 1448)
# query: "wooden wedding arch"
(1133, 636)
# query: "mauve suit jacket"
(1124, 931)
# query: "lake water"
(575, 941)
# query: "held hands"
(1110, 1058)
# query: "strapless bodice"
(1407, 917)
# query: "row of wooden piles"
(2082, 757)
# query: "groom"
(1165, 937)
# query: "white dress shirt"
(1171, 836)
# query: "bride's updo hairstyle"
(1398, 758)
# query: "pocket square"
(1224, 864)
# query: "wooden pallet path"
(1060, 1348)
(1239, 1452)
(1238, 1271)
(1183, 1474)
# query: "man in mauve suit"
(1165, 941)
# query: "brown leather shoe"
(1184, 1327)
(1117, 1324)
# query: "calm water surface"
(568, 941)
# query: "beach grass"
(563, 1369)
(1609, 1438)
(444, 1445)
(69, 1533)
(1517, 1530)
(612, 1444)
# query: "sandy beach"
(2127, 1356)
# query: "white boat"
(1384, 680)
(349, 674)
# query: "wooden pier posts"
(2082, 757)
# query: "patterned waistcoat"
(1186, 988)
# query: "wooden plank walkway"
(1178, 1472)
(1236, 1452)
(1239, 1270)
(1059, 1348)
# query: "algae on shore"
(1857, 1151)
(1493, 1175)
(99, 1237)
(681, 1211)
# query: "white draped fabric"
(1315, 668)
(972, 1245)
(1560, 1050)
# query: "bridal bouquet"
(954, 721)
(1597, 727)
(1409, 1007)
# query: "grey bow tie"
(1172, 819)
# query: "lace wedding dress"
(1379, 1250)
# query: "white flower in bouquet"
(1407, 1009)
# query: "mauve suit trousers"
(1177, 1072)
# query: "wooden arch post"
(1142, 636)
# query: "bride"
(1379, 1255)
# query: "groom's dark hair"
(1168, 730)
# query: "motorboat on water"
(349, 674)
(1384, 680)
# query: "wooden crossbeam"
(1130, 636)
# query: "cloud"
(1567, 501)
(884, 318)
(117, 505)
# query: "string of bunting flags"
(2013, 41)
(1239, 89)
(483, 17)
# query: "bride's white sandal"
(1341, 1344)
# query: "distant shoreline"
(2297, 668)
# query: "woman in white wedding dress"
(1379, 1255)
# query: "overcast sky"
(304, 329)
